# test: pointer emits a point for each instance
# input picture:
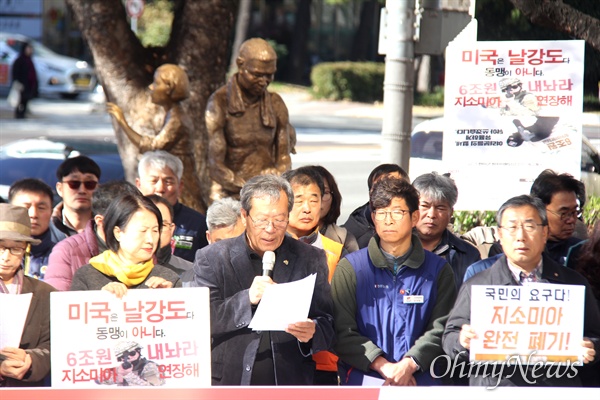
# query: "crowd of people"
(393, 283)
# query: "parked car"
(427, 145)
(39, 158)
(57, 74)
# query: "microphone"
(268, 262)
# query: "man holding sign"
(523, 233)
(234, 271)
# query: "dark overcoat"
(500, 274)
(226, 269)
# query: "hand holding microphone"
(260, 283)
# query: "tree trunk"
(241, 31)
(298, 53)
(362, 50)
(199, 43)
(559, 16)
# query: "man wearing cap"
(29, 364)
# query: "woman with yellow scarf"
(132, 226)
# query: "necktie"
(527, 277)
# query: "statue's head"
(171, 83)
(257, 63)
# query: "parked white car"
(57, 74)
(427, 145)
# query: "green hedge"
(464, 221)
(355, 81)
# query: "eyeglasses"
(89, 185)
(566, 214)
(15, 251)
(263, 223)
(327, 195)
(528, 227)
(396, 215)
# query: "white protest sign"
(150, 337)
(512, 109)
(538, 322)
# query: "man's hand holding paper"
(284, 307)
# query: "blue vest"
(386, 312)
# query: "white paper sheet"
(371, 381)
(12, 318)
(284, 304)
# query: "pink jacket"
(70, 254)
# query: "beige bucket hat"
(15, 224)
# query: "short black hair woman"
(132, 227)
(29, 364)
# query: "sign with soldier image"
(147, 338)
(512, 109)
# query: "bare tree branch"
(560, 16)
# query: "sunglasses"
(89, 185)
(512, 87)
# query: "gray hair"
(437, 188)
(269, 186)
(521, 201)
(223, 213)
(160, 159)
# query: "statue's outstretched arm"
(117, 114)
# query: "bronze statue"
(248, 127)
(170, 87)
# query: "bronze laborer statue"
(170, 87)
(248, 127)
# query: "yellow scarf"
(131, 275)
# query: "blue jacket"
(392, 312)
(479, 266)
(35, 262)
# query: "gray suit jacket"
(499, 274)
(226, 269)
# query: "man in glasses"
(359, 222)
(562, 195)
(233, 271)
(77, 179)
(36, 196)
(387, 296)
(74, 252)
(523, 231)
(437, 197)
(29, 363)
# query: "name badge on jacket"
(415, 299)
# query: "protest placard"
(537, 322)
(158, 337)
(512, 109)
